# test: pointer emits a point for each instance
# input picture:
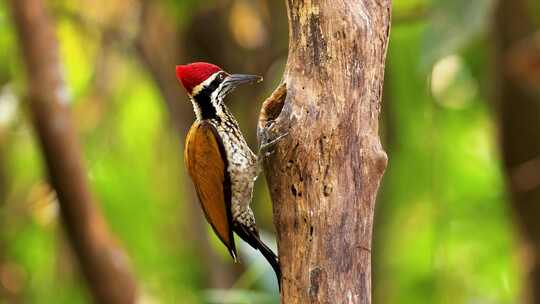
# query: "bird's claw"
(266, 150)
(269, 145)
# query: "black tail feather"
(252, 238)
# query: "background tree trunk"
(102, 261)
(518, 107)
(324, 176)
(159, 35)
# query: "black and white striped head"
(207, 85)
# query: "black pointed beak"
(236, 80)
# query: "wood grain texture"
(324, 176)
(206, 167)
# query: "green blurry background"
(443, 226)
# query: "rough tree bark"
(102, 261)
(324, 176)
(518, 107)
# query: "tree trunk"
(102, 261)
(324, 175)
(518, 109)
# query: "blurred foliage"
(443, 231)
(453, 25)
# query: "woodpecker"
(219, 161)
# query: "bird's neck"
(217, 113)
(207, 108)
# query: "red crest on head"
(193, 74)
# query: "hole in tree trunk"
(272, 106)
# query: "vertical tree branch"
(518, 109)
(324, 176)
(102, 261)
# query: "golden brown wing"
(206, 163)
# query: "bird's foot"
(267, 149)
